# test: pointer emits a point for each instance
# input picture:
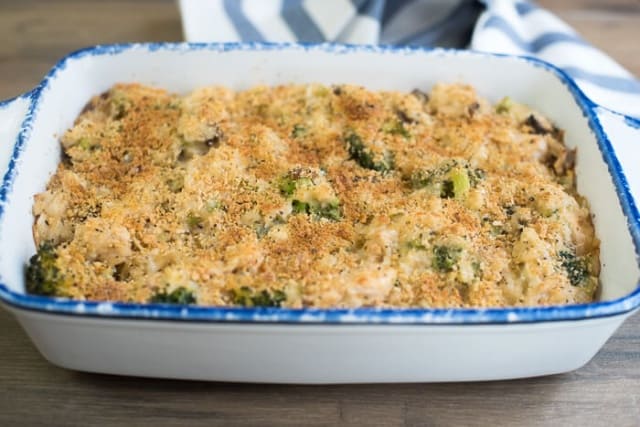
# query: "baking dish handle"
(12, 115)
(623, 133)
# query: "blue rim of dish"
(315, 315)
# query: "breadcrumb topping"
(315, 196)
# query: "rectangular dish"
(319, 345)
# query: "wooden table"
(35, 34)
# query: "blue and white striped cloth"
(505, 26)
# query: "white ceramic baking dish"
(312, 345)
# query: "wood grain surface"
(606, 392)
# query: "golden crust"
(336, 196)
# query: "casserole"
(309, 196)
(319, 345)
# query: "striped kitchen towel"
(505, 26)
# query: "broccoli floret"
(180, 295)
(298, 131)
(447, 189)
(457, 185)
(305, 202)
(300, 207)
(504, 106)
(246, 297)
(358, 152)
(268, 299)
(475, 176)
(87, 145)
(576, 267)
(43, 276)
(327, 210)
(421, 179)
(289, 183)
(365, 158)
(287, 186)
(415, 244)
(445, 258)
(450, 180)
(395, 127)
(459, 182)
(435, 177)
(242, 296)
(194, 221)
(320, 210)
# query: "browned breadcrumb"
(327, 196)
